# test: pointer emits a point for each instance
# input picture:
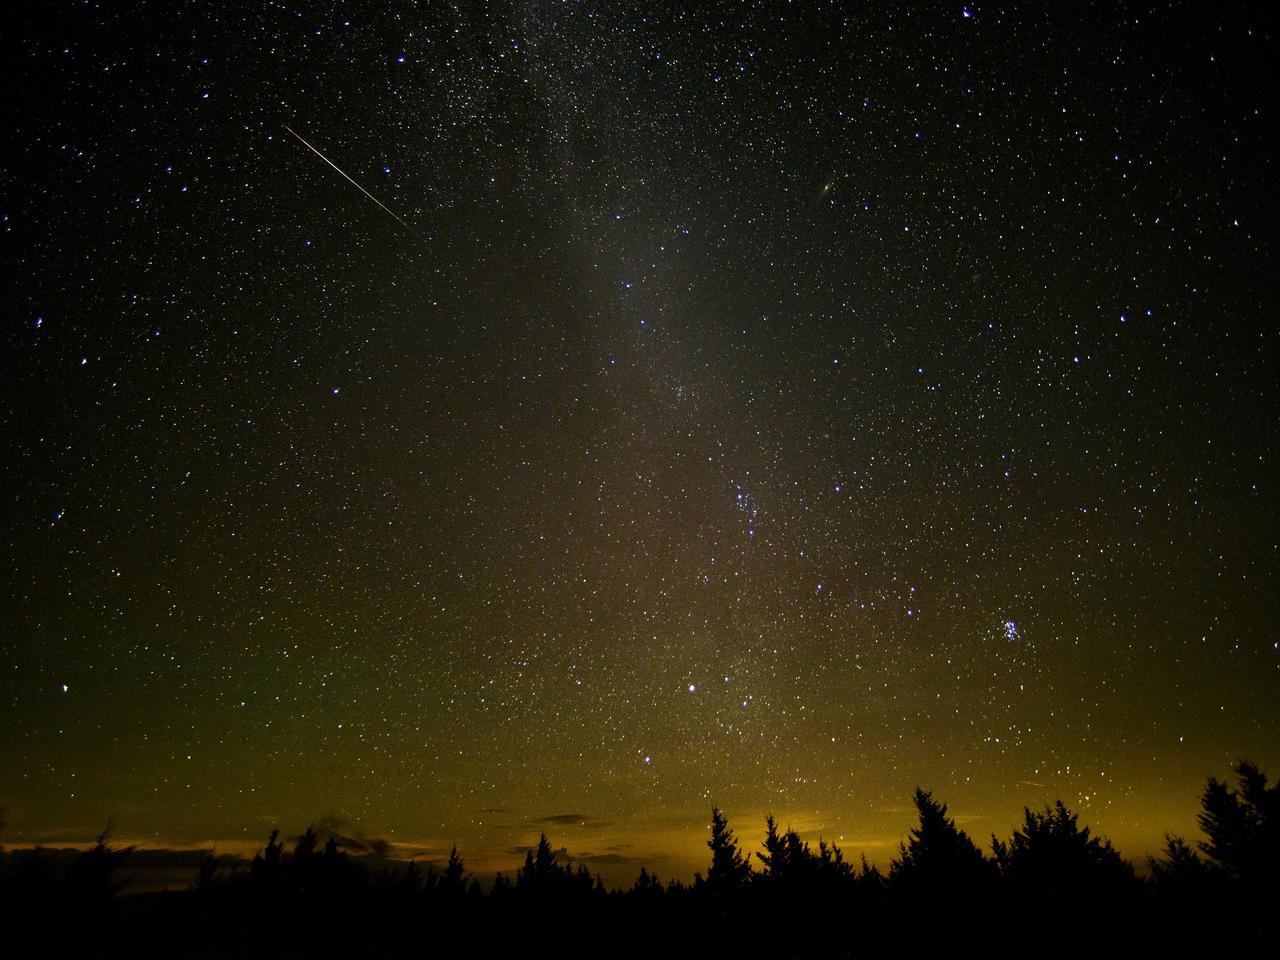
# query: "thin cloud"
(617, 859)
(570, 820)
(561, 853)
(564, 819)
(349, 836)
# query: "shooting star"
(398, 218)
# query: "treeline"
(1051, 886)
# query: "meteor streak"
(398, 218)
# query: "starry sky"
(769, 405)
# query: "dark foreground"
(1051, 890)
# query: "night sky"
(769, 405)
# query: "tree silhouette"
(411, 881)
(544, 877)
(267, 869)
(91, 885)
(303, 867)
(939, 868)
(502, 888)
(729, 871)
(775, 850)
(1052, 881)
(1243, 828)
(207, 879)
(1239, 875)
(453, 880)
(1052, 859)
(305, 847)
(539, 868)
(791, 866)
(1185, 885)
(92, 874)
(872, 884)
(647, 887)
(832, 868)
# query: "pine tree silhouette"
(89, 890)
(539, 868)
(91, 882)
(1239, 876)
(832, 866)
(1186, 886)
(792, 868)
(453, 880)
(1243, 828)
(207, 879)
(1052, 881)
(411, 880)
(775, 850)
(267, 869)
(544, 877)
(939, 869)
(729, 872)
(1052, 859)
(647, 887)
